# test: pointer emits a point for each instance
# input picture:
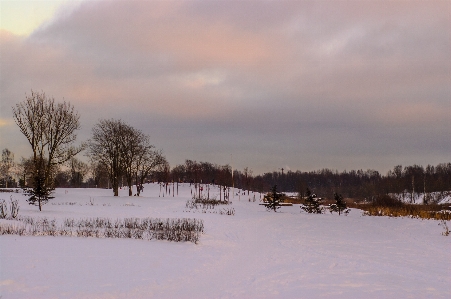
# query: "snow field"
(253, 254)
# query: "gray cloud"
(356, 84)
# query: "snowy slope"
(418, 198)
(253, 254)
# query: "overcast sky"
(301, 85)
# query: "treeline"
(365, 184)
(121, 155)
(360, 184)
(357, 184)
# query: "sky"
(299, 85)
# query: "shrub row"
(407, 211)
(205, 203)
(224, 211)
(177, 230)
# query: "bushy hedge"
(177, 230)
(207, 205)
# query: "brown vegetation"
(388, 206)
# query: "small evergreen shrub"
(40, 193)
(273, 199)
(312, 203)
(339, 206)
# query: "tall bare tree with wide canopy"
(105, 147)
(50, 129)
(124, 151)
(132, 143)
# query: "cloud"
(5, 122)
(299, 83)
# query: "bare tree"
(78, 171)
(124, 151)
(6, 165)
(100, 174)
(133, 145)
(248, 178)
(105, 147)
(24, 170)
(147, 162)
(50, 129)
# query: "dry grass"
(387, 206)
(293, 200)
(177, 230)
(408, 212)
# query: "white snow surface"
(418, 198)
(253, 254)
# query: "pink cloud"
(267, 69)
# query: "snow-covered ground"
(253, 254)
(418, 198)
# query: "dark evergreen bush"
(272, 200)
(312, 203)
(40, 193)
(339, 206)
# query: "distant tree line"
(121, 155)
(357, 184)
(362, 184)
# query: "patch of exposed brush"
(223, 211)
(176, 230)
(9, 211)
(207, 205)
(385, 205)
(445, 227)
(63, 203)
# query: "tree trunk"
(115, 186)
(138, 185)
